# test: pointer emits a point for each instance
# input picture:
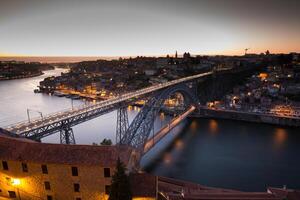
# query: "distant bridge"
(136, 134)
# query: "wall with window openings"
(53, 181)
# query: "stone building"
(32, 170)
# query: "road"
(259, 112)
(166, 129)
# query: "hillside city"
(275, 89)
(260, 88)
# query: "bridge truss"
(134, 134)
(140, 128)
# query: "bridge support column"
(67, 136)
(122, 123)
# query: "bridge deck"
(166, 129)
(53, 120)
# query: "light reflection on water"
(280, 137)
(179, 144)
(242, 155)
(213, 126)
(219, 153)
(194, 126)
(167, 158)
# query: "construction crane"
(246, 50)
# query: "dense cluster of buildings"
(106, 78)
(275, 89)
(21, 69)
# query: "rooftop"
(17, 149)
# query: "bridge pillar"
(67, 136)
(122, 123)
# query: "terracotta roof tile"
(143, 185)
(289, 194)
(295, 195)
(15, 149)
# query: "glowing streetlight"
(15, 181)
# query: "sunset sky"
(147, 27)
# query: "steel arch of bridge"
(56, 122)
(140, 128)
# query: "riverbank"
(21, 77)
(248, 116)
(220, 153)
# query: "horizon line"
(136, 55)
(81, 58)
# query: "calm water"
(220, 153)
(230, 154)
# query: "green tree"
(120, 186)
(106, 142)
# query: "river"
(218, 153)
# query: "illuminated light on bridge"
(166, 129)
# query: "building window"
(74, 171)
(49, 197)
(107, 189)
(4, 165)
(47, 185)
(106, 172)
(12, 194)
(76, 187)
(44, 169)
(24, 167)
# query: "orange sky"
(106, 28)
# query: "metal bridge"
(166, 129)
(136, 134)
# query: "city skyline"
(149, 28)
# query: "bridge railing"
(51, 114)
(67, 113)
